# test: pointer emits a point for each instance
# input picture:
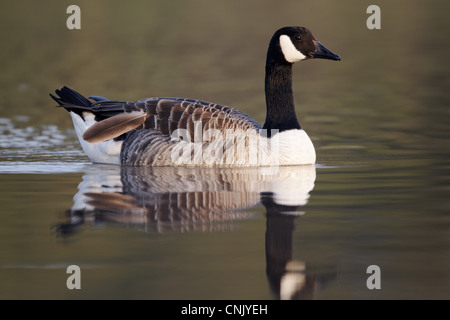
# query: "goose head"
(292, 44)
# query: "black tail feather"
(70, 98)
(101, 107)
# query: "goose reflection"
(174, 199)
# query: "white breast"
(295, 147)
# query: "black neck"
(279, 97)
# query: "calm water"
(377, 196)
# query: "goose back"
(164, 124)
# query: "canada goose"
(187, 132)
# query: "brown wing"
(115, 126)
(166, 115)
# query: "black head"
(292, 44)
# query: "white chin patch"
(290, 52)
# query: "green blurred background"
(215, 51)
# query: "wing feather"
(163, 114)
(114, 126)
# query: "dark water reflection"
(195, 199)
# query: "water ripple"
(45, 149)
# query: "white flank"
(241, 148)
(290, 52)
(101, 152)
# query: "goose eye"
(298, 37)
